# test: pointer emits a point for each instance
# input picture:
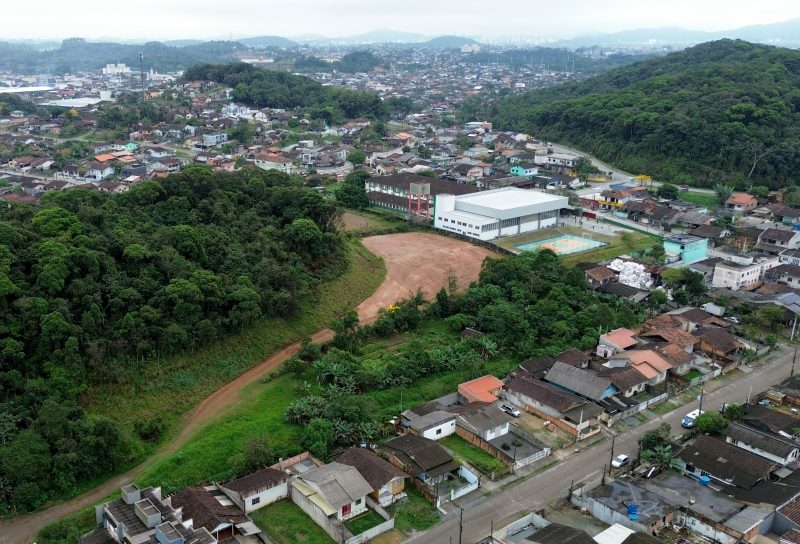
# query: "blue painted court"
(562, 245)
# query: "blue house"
(587, 385)
(685, 248)
(524, 170)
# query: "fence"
(531, 520)
(474, 483)
(531, 458)
(369, 534)
(641, 407)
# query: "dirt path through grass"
(413, 261)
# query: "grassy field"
(414, 513)
(364, 522)
(285, 523)
(481, 460)
(701, 199)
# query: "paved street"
(540, 490)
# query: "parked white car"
(620, 461)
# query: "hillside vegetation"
(724, 110)
(96, 290)
(268, 88)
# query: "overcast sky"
(175, 19)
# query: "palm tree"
(723, 192)
(662, 457)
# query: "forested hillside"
(95, 288)
(724, 110)
(269, 88)
(77, 54)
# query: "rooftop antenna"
(141, 71)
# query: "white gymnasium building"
(501, 212)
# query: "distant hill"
(719, 111)
(268, 41)
(77, 54)
(785, 34)
(384, 36)
(448, 42)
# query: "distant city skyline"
(210, 19)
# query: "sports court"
(563, 244)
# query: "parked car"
(510, 410)
(620, 461)
(732, 319)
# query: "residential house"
(386, 480)
(524, 169)
(429, 420)
(736, 276)
(616, 341)
(393, 192)
(614, 199)
(724, 462)
(775, 241)
(98, 171)
(648, 362)
(741, 202)
(561, 163)
(771, 421)
(158, 152)
(537, 367)
(649, 212)
(483, 389)
(482, 419)
(580, 382)
(628, 380)
(599, 276)
(423, 459)
(209, 508)
(568, 412)
(268, 160)
(718, 343)
(335, 490)
(685, 248)
(214, 139)
(467, 173)
(788, 274)
(714, 233)
(257, 489)
(769, 446)
(573, 357)
(142, 515)
(624, 291)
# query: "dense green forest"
(76, 54)
(269, 88)
(725, 110)
(357, 61)
(95, 288)
(529, 305)
(581, 61)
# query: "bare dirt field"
(413, 260)
(418, 260)
(354, 222)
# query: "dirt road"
(413, 261)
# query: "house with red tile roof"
(483, 389)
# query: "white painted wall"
(441, 431)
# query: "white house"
(769, 446)
(736, 276)
(258, 489)
(98, 171)
(215, 139)
(429, 421)
(487, 421)
(500, 212)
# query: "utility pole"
(794, 359)
(460, 523)
(701, 400)
(613, 438)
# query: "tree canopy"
(93, 286)
(725, 110)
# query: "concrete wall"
(265, 497)
(440, 431)
(765, 454)
(334, 528)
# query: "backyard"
(414, 513)
(285, 523)
(476, 457)
(363, 522)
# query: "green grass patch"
(629, 242)
(481, 460)
(364, 522)
(692, 374)
(414, 513)
(285, 523)
(662, 408)
(701, 199)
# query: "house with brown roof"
(423, 459)
(568, 412)
(628, 380)
(257, 489)
(719, 343)
(724, 462)
(600, 276)
(209, 508)
(387, 481)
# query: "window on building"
(438, 431)
(255, 500)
